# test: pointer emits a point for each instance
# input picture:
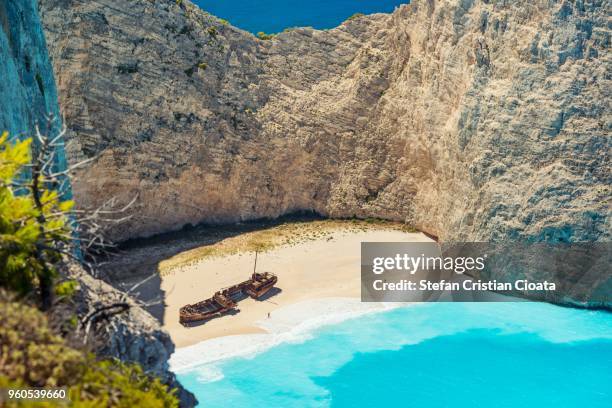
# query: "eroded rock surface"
(133, 336)
(28, 98)
(27, 87)
(472, 120)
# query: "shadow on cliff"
(136, 262)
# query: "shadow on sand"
(271, 293)
(138, 260)
(202, 322)
(265, 298)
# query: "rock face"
(27, 86)
(27, 97)
(134, 336)
(472, 120)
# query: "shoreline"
(325, 267)
(289, 324)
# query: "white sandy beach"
(325, 269)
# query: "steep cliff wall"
(27, 87)
(472, 120)
(27, 98)
(134, 336)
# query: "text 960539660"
(33, 394)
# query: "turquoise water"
(272, 16)
(432, 355)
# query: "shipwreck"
(225, 301)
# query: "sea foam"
(468, 350)
(290, 324)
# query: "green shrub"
(355, 16)
(263, 36)
(35, 233)
(34, 356)
(33, 224)
(66, 289)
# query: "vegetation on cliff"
(33, 355)
(35, 236)
(34, 227)
(355, 16)
(264, 36)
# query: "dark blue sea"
(272, 16)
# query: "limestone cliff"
(27, 87)
(134, 336)
(473, 120)
(27, 98)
